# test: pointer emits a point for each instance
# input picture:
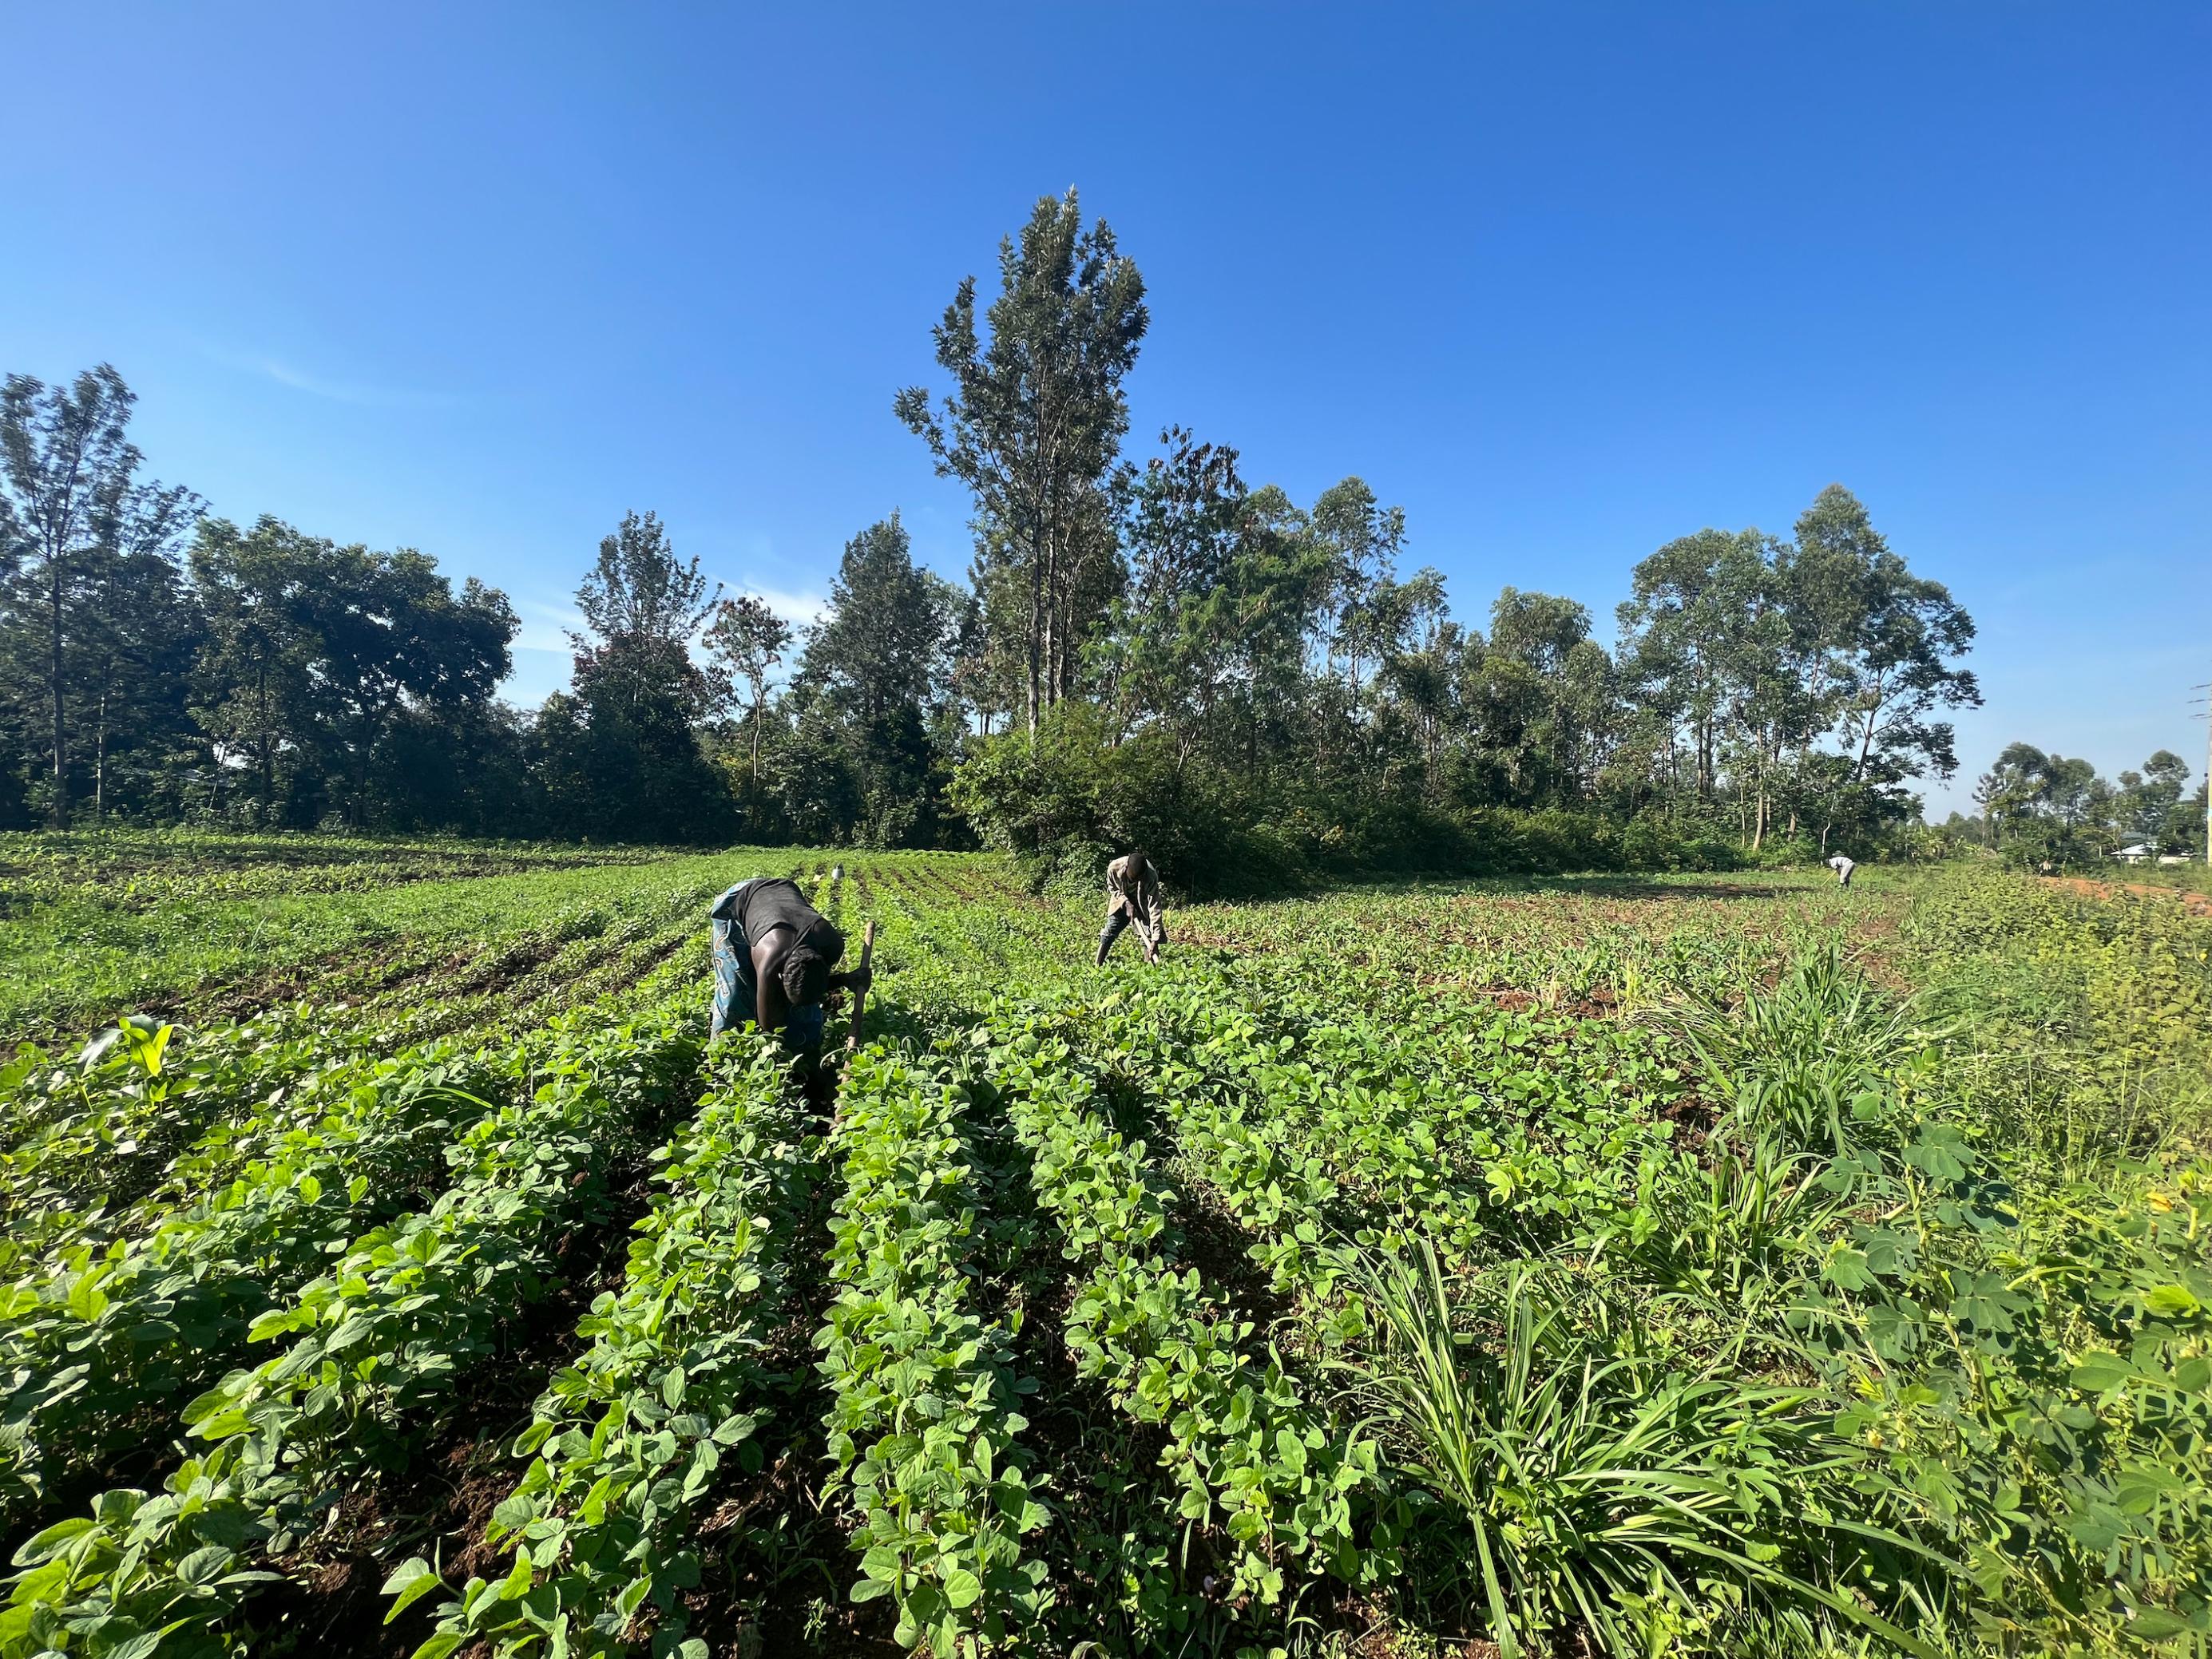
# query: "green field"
(1645, 1266)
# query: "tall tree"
(2148, 802)
(1682, 638)
(1362, 539)
(1182, 522)
(870, 683)
(70, 504)
(1540, 695)
(620, 755)
(1890, 639)
(392, 634)
(642, 609)
(1034, 423)
(315, 652)
(254, 679)
(881, 645)
(746, 641)
(142, 632)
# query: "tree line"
(1146, 649)
(2046, 811)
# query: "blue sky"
(1565, 280)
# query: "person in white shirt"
(1843, 867)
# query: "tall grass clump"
(1646, 1505)
(1793, 1060)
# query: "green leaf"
(204, 1565)
(2099, 1371)
(2172, 1301)
(409, 1581)
(961, 1588)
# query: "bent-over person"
(774, 954)
(1843, 867)
(1133, 894)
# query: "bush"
(1066, 804)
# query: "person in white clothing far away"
(1843, 867)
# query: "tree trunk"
(58, 812)
(100, 761)
(1036, 636)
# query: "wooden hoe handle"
(860, 996)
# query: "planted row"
(922, 1426)
(627, 1444)
(96, 1335)
(368, 1353)
(98, 1132)
(1252, 1460)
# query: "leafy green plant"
(923, 1427)
(627, 1445)
(369, 1350)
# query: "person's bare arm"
(768, 952)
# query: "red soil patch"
(2196, 905)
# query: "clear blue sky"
(1565, 280)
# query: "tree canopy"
(1147, 647)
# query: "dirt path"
(2197, 904)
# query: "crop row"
(93, 1335)
(96, 1135)
(1250, 1458)
(626, 1443)
(1494, 1142)
(922, 1426)
(367, 1353)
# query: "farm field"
(1687, 1265)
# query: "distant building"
(2141, 853)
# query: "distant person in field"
(1843, 867)
(773, 957)
(1133, 894)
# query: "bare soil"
(2196, 905)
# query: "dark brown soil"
(1215, 1244)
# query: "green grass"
(191, 927)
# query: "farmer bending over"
(773, 957)
(1133, 894)
(1843, 867)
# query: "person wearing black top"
(774, 954)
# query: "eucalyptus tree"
(1683, 637)
(1033, 425)
(75, 518)
(871, 686)
(747, 639)
(1889, 640)
(1362, 539)
(1165, 657)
